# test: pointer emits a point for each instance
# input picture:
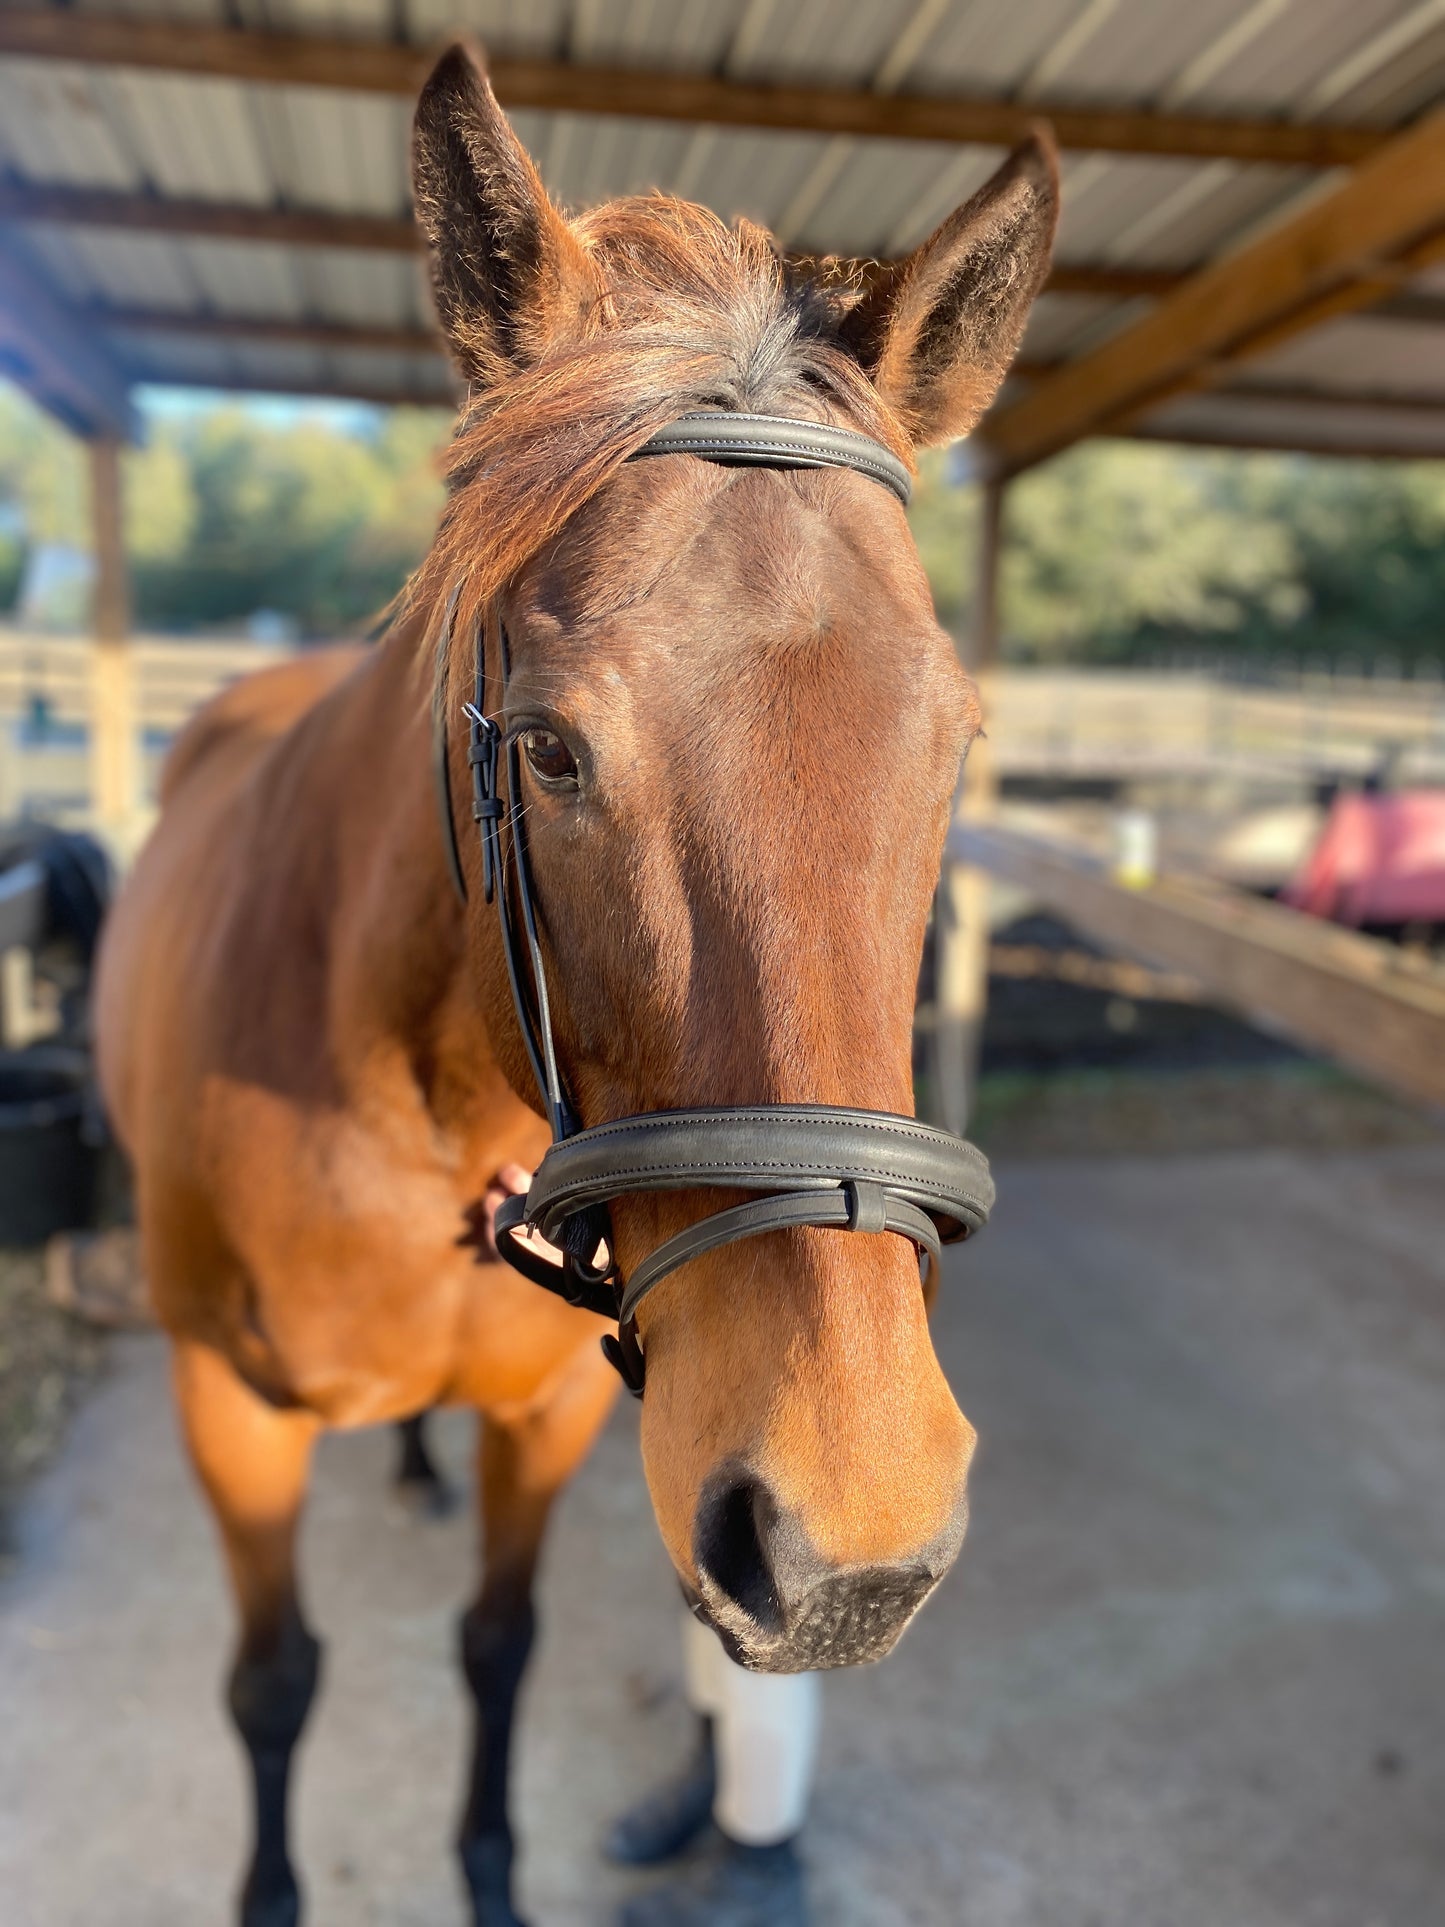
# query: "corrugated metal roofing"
(1358, 61)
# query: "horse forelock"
(694, 313)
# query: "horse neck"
(401, 977)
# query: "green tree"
(1369, 546)
(1113, 546)
(1117, 548)
(315, 523)
(42, 473)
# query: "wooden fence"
(1114, 725)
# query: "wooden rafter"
(1113, 283)
(1285, 394)
(1361, 424)
(378, 66)
(1374, 288)
(1247, 441)
(1376, 285)
(1334, 401)
(340, 336)
(46, 347)
(1415, 308)
(383, 394)
(214, 220)
(1349, 248)
(96, 207)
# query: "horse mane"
(695, 313)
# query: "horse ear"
(937, 330)
(508, 274)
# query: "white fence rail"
(1123, 723)
(49, 715)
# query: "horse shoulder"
(252, 711)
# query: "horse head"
(740, 729)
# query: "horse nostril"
(730, 1539)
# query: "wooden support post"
(961, 932)
(114, 743)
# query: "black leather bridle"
(812, 1164)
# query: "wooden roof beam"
(47, 348)
(1345, 250)
(1374, 287)
(382, 394)
(339, 336)
(1349, 448)
(383, 67)
(1287, 394)
(99, 207)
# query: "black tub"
(49, 1164)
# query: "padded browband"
(775, 441)
(852, 1170)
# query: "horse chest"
(357, 1289)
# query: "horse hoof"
(494, 1913)
(271, 1910)
(426, 1499)
(736, 1887)
(494, 1910)
(487, 1864)
(667, 1821)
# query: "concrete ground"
(1190, 1672)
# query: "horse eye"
(549, 756)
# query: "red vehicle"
(1379, 860)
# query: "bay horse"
(741, 727)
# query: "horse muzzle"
(778, 1605)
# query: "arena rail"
(1372, 1007)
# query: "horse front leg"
(522, 1465)
(419, 1480)
(253, 1462)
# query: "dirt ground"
(46, 1360)
(1294, 1104)
(1189, 1672)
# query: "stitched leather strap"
(775, 441)
(818, 1165)
(829, 1209)
(441, 772)
(764, 1147)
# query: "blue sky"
(275, 411)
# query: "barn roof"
(1253, 241)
